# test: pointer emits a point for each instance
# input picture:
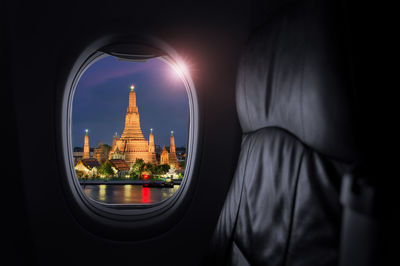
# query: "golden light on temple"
(86, 148)
(132, 143)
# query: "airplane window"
(129, 130)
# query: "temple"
(164, 157)
(132, 145)
(86, 148)
(173, 161)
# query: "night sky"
(101, 100)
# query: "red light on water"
(146, 195)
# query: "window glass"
(129, 131)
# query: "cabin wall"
(43, 41)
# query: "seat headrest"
(294, 75)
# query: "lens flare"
(181, 69)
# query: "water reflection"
(102, 192)
(128, 194)
(146, 195)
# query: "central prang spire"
(132, 144)
(132, 120)
(132, 108)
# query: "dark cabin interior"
(296, 131)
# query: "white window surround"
(131, 217)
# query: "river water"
(128, 194)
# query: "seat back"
(293, 99)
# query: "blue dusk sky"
(101, 99)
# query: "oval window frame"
(126, 221)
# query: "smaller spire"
(132, 87)
(86, 147)
(172, 133)
(151, 130)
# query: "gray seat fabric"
(283, 206)
(293, 105)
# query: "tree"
(150, 167)
(164, 168)
(106, 169)
(137, 168)
(182, 164)
(134, 175)
(156, 170)
(79, 174)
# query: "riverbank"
(128, 193)
(124, 182)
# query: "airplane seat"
(293, 98)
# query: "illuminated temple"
(129, 147)
(132, 145)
